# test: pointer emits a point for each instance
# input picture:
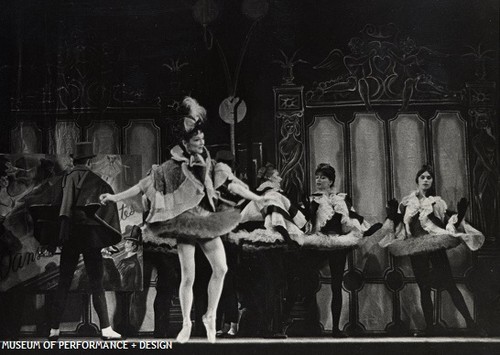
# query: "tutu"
(196, 223)
(258, 239)
(320, 241)
(272, 224)
(400, 244)
(422, 244)
(321, 237)
(154, 243)
(419, 234)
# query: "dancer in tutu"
(230, 190)
(334, 228)
(422, 227)
(270, 223)
(182, 206)
(232, 193)
(267, 229)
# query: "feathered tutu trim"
(322, 241)
(164, 245)
(257, 239)
(192, 224)
(422, 244)
(263, 236)
(260, 239)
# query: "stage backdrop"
(25, 265)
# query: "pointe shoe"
(209, 323)
(185, 333)
(109, 334)
(54, 334)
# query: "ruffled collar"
(414, 206)
(329, 204)
(191, 160)
(269, 185)
(331, 197)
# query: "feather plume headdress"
(196, 114)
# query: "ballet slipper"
(109, 334)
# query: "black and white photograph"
(250, 176)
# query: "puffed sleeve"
(222, 173)
(145, 184)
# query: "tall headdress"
(196, 114)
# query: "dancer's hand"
(392, 209)
(105, 198)
(462, 206)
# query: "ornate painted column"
(290, 140)
(484, 158)
(485, 275)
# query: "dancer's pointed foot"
(185, 332)
(209, 322)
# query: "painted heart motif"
(382, 63)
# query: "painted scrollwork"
(291, 154)
(382, 66)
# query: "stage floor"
(259, 346)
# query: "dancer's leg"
(94, 268)
(439, 260)
(337, 260)
(186, 259)
(67, 267)
(421, 270)
(214, 251)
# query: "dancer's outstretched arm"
(133, 191)
(246, 193)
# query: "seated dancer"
(423, 228)
(182, 205)
(267, 229)
(335, 228)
